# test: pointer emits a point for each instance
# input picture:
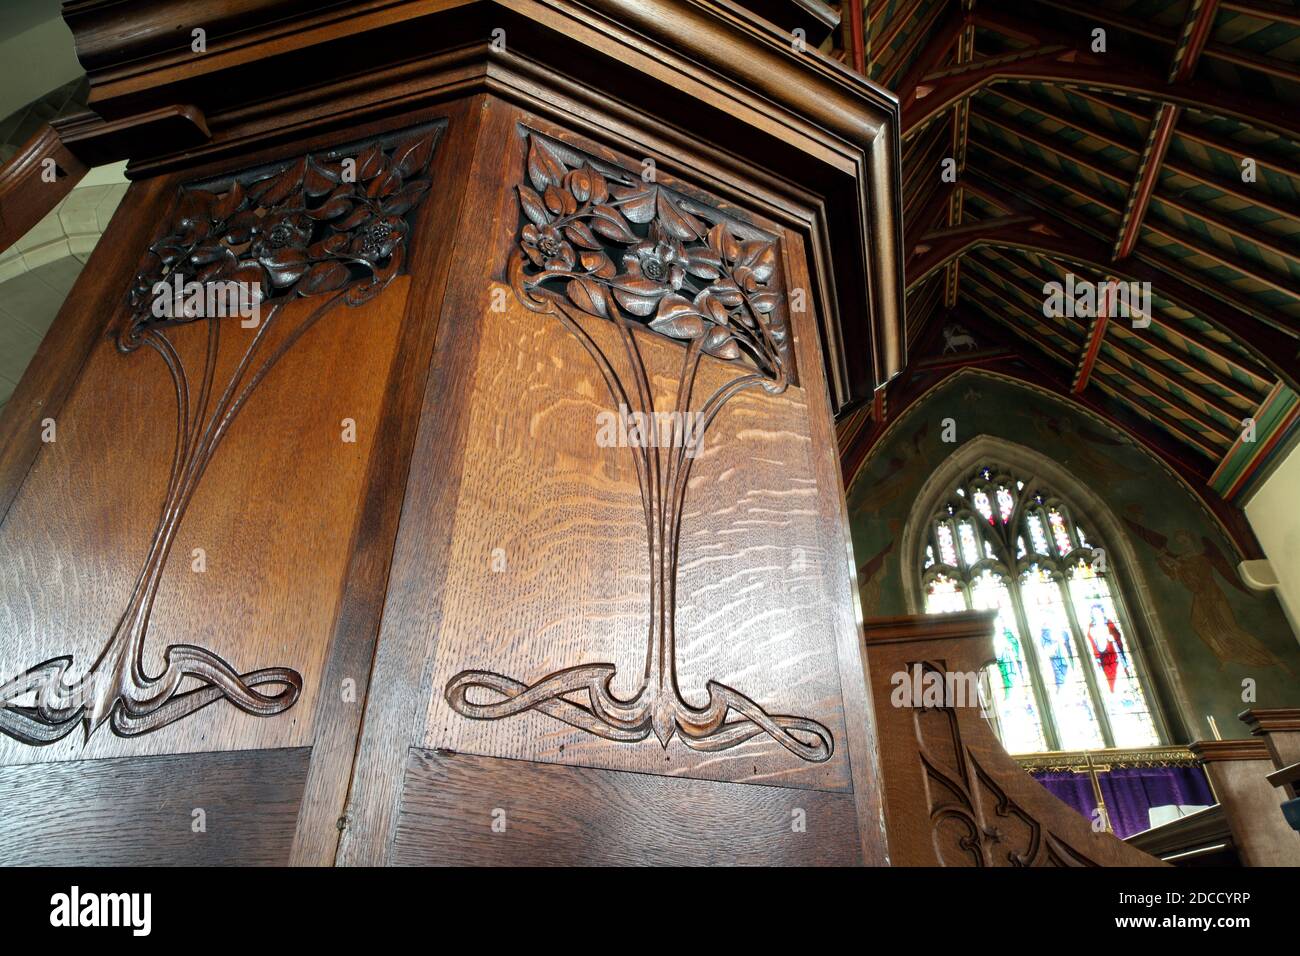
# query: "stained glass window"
(1067, 676)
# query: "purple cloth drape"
(1129, 792)
(1074, 789)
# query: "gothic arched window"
(1067, 675)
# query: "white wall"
(1274, 513)
(35, 60)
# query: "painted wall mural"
(1218, 632)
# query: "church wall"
(1273, 516)
(1216, 632)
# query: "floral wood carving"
(598, 243)
(332, 225)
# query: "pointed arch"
(1171, 703)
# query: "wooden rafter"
(857, 41)
(937, 49)
(1231, 186)
(1247, 394)
(1215, 51)
(1099, 167)
(1144, 184)
(1072, 67)
(1093, 347)
(1256, 372)
(1054, 237)
(1278, 321)
(1211, 446)
(1265, 10)
(1196, 30)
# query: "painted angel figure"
(1200, 572)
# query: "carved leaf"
(353, 219)
(678, 317)
(704, 263)
(336, 205)
(724, 243)
(317, 182)
(239, 227)
(589, 296)
(533, 206)
(579, 233)
(609, 222)
(760, 257)
(412, 156)
(205, 252)
(406, 198)
(639, 305)
(720, 342)
(324, 277)
(543, 168)
(229, 203)
(370, 163)
(273, 191)
(285, 266)
(675, 220)
(637, 204)
(598, 264)
(559, 201)
(385, 184)
(586, 184)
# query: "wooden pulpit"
(435, 462)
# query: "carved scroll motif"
(331, 226)
(597, 243)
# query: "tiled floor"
(38, 271)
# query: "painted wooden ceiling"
(1170, 157)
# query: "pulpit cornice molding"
(706, 80)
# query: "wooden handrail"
(953, 795)
(36, 180)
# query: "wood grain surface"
(274, 516)
(522, 545)
(141, 811)
(549, 815)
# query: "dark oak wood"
(548, 815)
(26, 192)
(1202, 838)
(349, 605)
(734, 80)
(1239, 770)
(141, 811)
(952, 795)
(517, 470)
(58, 361)
(356, 624)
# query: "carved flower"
(547, 248)
(377, 238)
(661, 260)
(281, 230)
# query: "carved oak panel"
(211, 487)
(658, 608)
